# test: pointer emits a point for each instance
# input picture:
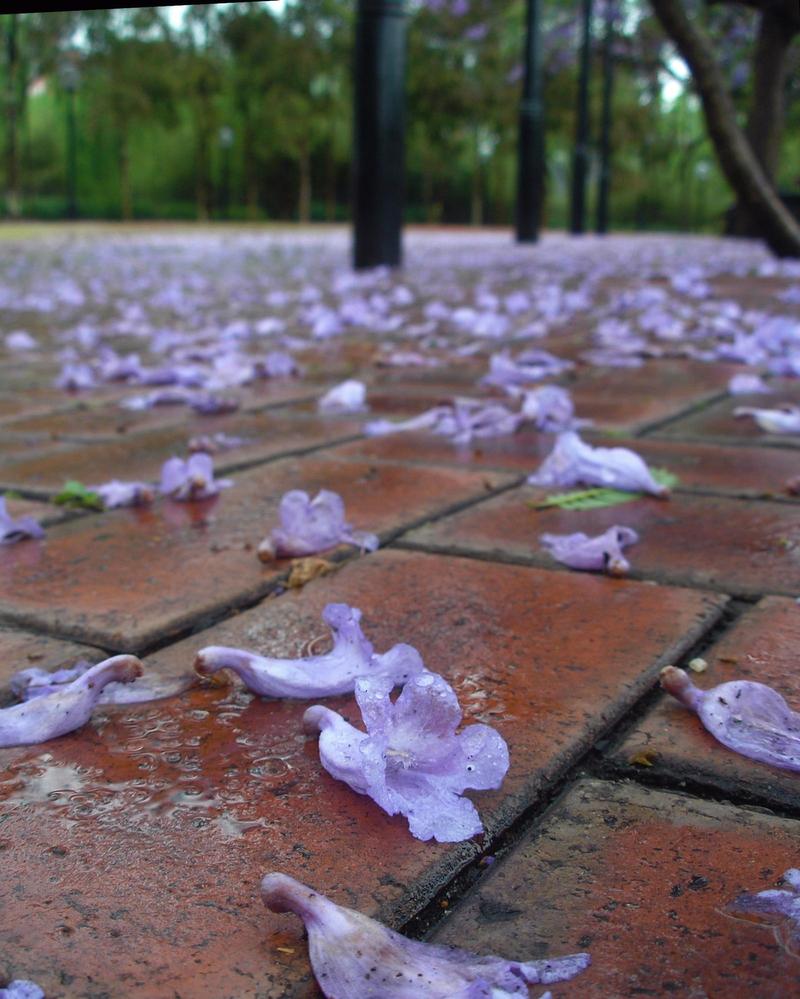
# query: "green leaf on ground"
(595, 499)
(78, 497)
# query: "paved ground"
(132, 849)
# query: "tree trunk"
(304, 195)
(125, 194)
(476, 195)
(330, 196)
(765, 121)
(250, 171)
(735, 155)
(13, 199)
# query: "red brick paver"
(735, 546)
(149, 829)
(638, 878)
(669, 740)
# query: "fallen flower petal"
(748, 385)
(12, 530)
(600, 554)
(572, 462)
(191, 479)
(334, 672)
(349, 397)
(356, 957)
(410, 760)
(65, 710)
(750, 718)
(775, 906)
(774, 421)
(21, 988)
(116, 494)
(35, 682)
(309, 526)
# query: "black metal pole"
(530, 155)
(378, 160)
(580, 160)
(604, 181)
(72, 158)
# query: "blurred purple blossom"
(18, 529)
(776, 907)
(309, 526)
(347, 949)
(191, 479)
(745, 384)
(573, 462)
(349, 397)
(115, 493)
(21, 988)
(785, 420)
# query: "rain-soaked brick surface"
(129, 578)
(140, 455)
(669, 740)
(736, 546)
(139, 841)
(717, 421)
(131, 851)
(638, 878)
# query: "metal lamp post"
(378, 166)
(530, 157)
(604, 180)
(226, 138)
(69, 80)
(580, 161)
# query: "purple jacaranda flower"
(410, 760)
(177, 396)
(745, 384)
(113, 368)
(573, 462)
(115, 493)
(63, 711)
(21, 988)
(749, 718)
(310, 526)
(472, 418)
(349, 397)
(355, 957)
(600, 554)
(191, 479)
(76, 376)
(549, 408)
(776, 907)
(213, 405)
(276, 364)
(212, 443)
(20, 341)
(425, 421)
(530, 366)
(407, 359)
(785, 420)
(34, 682)
(334, 672)
(18, 529)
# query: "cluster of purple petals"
(573, 462)
(17, 529)
(308, 526)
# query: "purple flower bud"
(600, 554)
(410, 761)
(357, 957)
(749, 718)
(334, 672)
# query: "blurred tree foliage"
(242, 110)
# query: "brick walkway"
(132, 849)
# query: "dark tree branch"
(736, 157)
